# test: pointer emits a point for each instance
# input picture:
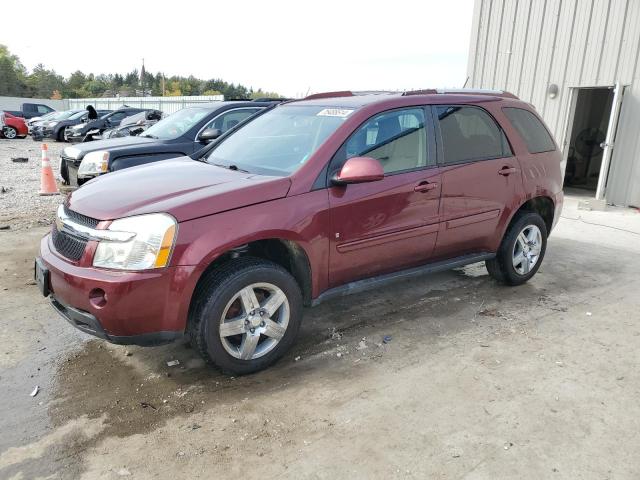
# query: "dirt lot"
(477, 381)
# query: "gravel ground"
(20, 205)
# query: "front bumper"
(74, 137)
(142, 308)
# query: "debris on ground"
(19, 159)
(361, 345)
(387, 339)
(123, 472)
(297, 358)
(589, 314)
(508, 445)
(489, 312)
(173, 363)
(335, 335)
(147, 405)
(35, 391)
(5, 227)
(127, 353)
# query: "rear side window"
(470, 133)
(531, 129)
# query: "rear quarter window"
(533, 132)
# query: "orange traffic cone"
(47, 182)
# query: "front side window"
(470, 133)
(535, 135)
(177, 124)
(44, 109)
(280, 141)
(397, 139)
(231, 118)
(116, 117)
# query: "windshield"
(280, 141)
(78, 115)
(177, 124)
(59, 115)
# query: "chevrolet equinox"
(312, 199)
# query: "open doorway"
(587, 135)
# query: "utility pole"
(142, 72)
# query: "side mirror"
(359, 170)
(209, 134)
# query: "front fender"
(303, 219)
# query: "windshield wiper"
(148, 136)
(235, 168)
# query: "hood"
(183, 187)
(113, 144)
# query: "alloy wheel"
(254, 321)
(526, 251)
(10, 132)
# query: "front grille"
(67, 245)
(81, 219)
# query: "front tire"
(521, 251)
(246, 315)
(10, 133)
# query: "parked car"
(133, 125)
(15, 127)
(310, 200)
(30, 110)
(50, 123)
(85, 132)
(177, 135)
(56, 130)
(33, 120)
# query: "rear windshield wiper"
(235, 168)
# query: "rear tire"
(60, 135)
(260, 305)
(521, 251)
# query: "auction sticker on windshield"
(334, 112)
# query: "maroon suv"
(312, 199)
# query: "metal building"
(577, 62)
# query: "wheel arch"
(287, 253)
(543, 205)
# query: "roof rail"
(348, 93)
(467, 91)
(343, 93)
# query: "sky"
(290, 47)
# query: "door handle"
(507, 171)
(425, 187)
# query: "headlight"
(72, 152)
(93, 164)
(150, 248)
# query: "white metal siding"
(523, 46)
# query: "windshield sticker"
(335, 112)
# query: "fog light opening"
(98, 298)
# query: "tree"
(15, 80)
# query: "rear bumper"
(558, 202)
(142, 308)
